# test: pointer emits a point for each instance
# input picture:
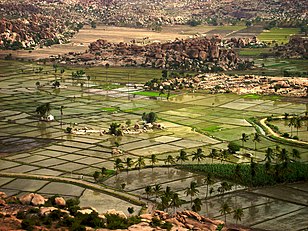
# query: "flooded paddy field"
(191, 121)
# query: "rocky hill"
(34, 212)
(27, 24)
(196, 54)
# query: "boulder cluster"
(15, 211)
(195, 54)
(297, 48)
(28, 33)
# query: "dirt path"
(278, 135)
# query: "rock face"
(195, 54)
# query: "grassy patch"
(212, 128)
(109, 109)
(279, 35)
(251, 96)
(152, 94)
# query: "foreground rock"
(180, 221)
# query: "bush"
(286, 135)
(233, 147)
(295, 138)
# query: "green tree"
(291, 124)
(157, 190)
(169, 161)
(244, 138)
(269, 155)
(298, 124)
(198, 155)
(224, 210)
(96, 175)
(295, 154)
(256, 139)
(284, 156)
(140, 163)
(182, 157)
(129, 163)
(238, 213)
(118, 165)
(43, 110)
(114, 129)
(208, 181)
(233, 147)
(175, 201)
(192, 190)
(148, 190)
(253, 169)
(213, 154)
(197, 205)
(153, 160)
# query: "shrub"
(286, 135)
(233, 147)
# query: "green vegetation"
(277, 173)
(152, 94)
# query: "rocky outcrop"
(195, 54)
(297, 48)
(32, 198)
(180, 221)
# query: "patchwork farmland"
(61, 163)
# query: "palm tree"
(208, 181)
(269, 155)
(197, 205)
(169, 160)
(61, 113)
(88, 78)
(244, 138)
(295, 154)
(192, 190)
(198, 155)
(291, 124)
(256, 138)
(153, 160)
(107, 65)
(175, 201)
(182, 157)
(238, 213)
(284, 156)
(43, 110)
(224, 154)
(253, 169)
(118, 165)
(213, 154)
(224, 210)
(286, 115)
(148, 190)
(157, 190)
(140, 163)
(224, 186)
(298, 123)
(129, 163)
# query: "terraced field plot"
(192, 121)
